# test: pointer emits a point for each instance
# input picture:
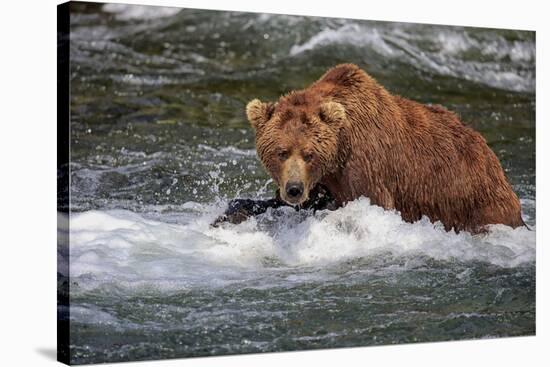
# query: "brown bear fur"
(349, 134)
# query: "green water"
(160, 143)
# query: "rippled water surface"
(160, 144)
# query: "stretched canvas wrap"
(155, 143)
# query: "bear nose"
(294, 189)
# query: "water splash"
(135, 253)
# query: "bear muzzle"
(294, 186)
(294, 191)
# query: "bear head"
(299, 140)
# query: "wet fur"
(415, 158)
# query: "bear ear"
(259, 112)
(332, 113)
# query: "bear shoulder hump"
(343, 75)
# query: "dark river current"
(160, 144)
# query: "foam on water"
(127, 12)
(448, 52)
(128, 251)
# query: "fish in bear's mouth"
(319, 198)
(240, 210)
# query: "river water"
(160, 144)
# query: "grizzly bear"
(345, 136)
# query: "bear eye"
(283, 154)
(308, 157)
